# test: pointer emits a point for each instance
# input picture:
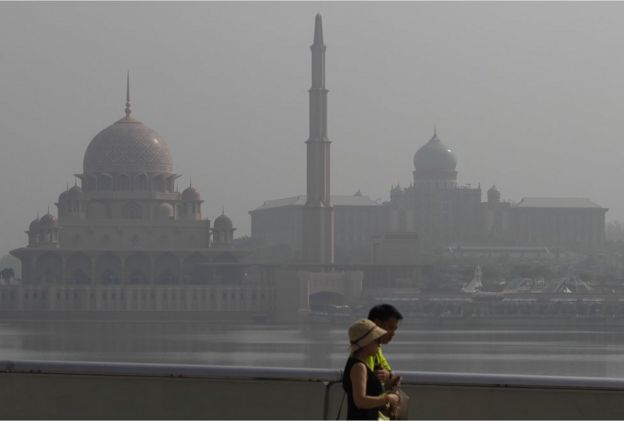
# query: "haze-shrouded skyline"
(528, 95)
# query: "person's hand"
(395, 381)
(392, 399)
(382, 375)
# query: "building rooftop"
(556, 202)
(341, 200)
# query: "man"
(386, 317)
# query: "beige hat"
(363, 332)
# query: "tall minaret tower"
(318, 213)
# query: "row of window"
(204, 295)
(122, 182)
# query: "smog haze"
(528, 96)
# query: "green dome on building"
(434, 156)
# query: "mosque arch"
(226, 274)
(132, 210)
(140, 182)
(138, 269)
(108, 268)
(167, 269)
(97, 210)
(122, 182)
(89, 183)
(105, 182)
(193, 271)
(171, 183)
(164, 211)
(159, 183)
(49, 268)
(79, 268)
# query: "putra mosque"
(126, 223)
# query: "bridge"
(84, 390)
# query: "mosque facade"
(125, 223)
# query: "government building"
(434, 213)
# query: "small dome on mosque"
(434, 156)
(223, 222)
(72, 193)
(493, 190)
(48, 220)
(34, 225)
(63, 196)
(75, 191)
(128, 146)
(190, 194)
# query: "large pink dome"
(128, 146)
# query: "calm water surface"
(596, 353)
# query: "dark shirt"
(373, 388)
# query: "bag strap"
(341, 403)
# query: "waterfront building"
(126, 223)
(574, 223)
(434, 213)
(357, 219)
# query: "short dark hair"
(383, 312)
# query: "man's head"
(386, 317)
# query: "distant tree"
(7, 274)
(8, 261)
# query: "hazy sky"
(528, 95)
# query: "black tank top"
(373, 388)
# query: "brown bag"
(400, 411)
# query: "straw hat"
(363, 332)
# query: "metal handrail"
(301, 374)
(330, 378)
(168, 370)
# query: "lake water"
(521, 350)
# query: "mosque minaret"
(318, 213)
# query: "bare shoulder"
(358, 370)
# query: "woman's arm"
(360, 398)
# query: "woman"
(364, 391)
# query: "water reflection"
(596, 353)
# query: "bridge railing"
(95, 390)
